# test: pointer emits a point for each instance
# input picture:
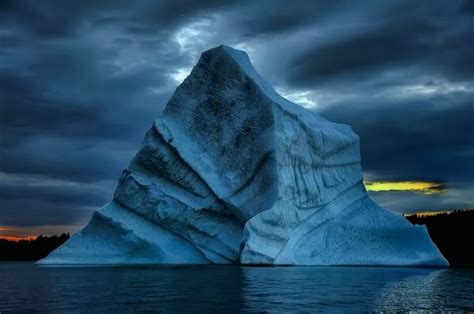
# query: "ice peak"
(230, 58)
(220, 70)
(224, 60)
(227, 52)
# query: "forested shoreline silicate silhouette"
(30, 250)
(452, 232)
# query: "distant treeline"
(452, 233)
(30, 250)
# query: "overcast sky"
(81, 82)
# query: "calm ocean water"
(28, 287)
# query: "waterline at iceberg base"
(233, 173)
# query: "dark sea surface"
(27, 287)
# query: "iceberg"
(233, 173)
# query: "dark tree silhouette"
(452, 233)
(30, 250)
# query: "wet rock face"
(234, 173)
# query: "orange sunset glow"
(12, 238)
(17, 233)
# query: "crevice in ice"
(262, 163)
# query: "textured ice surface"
(234, 173)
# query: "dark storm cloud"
(81, 82)
(425, 36)
(408, 79)
(41, 200)
(429, 139)
(54, 18)
(72, 110)
(282, 17)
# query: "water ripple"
(28, 287)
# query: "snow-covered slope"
(234, 173)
